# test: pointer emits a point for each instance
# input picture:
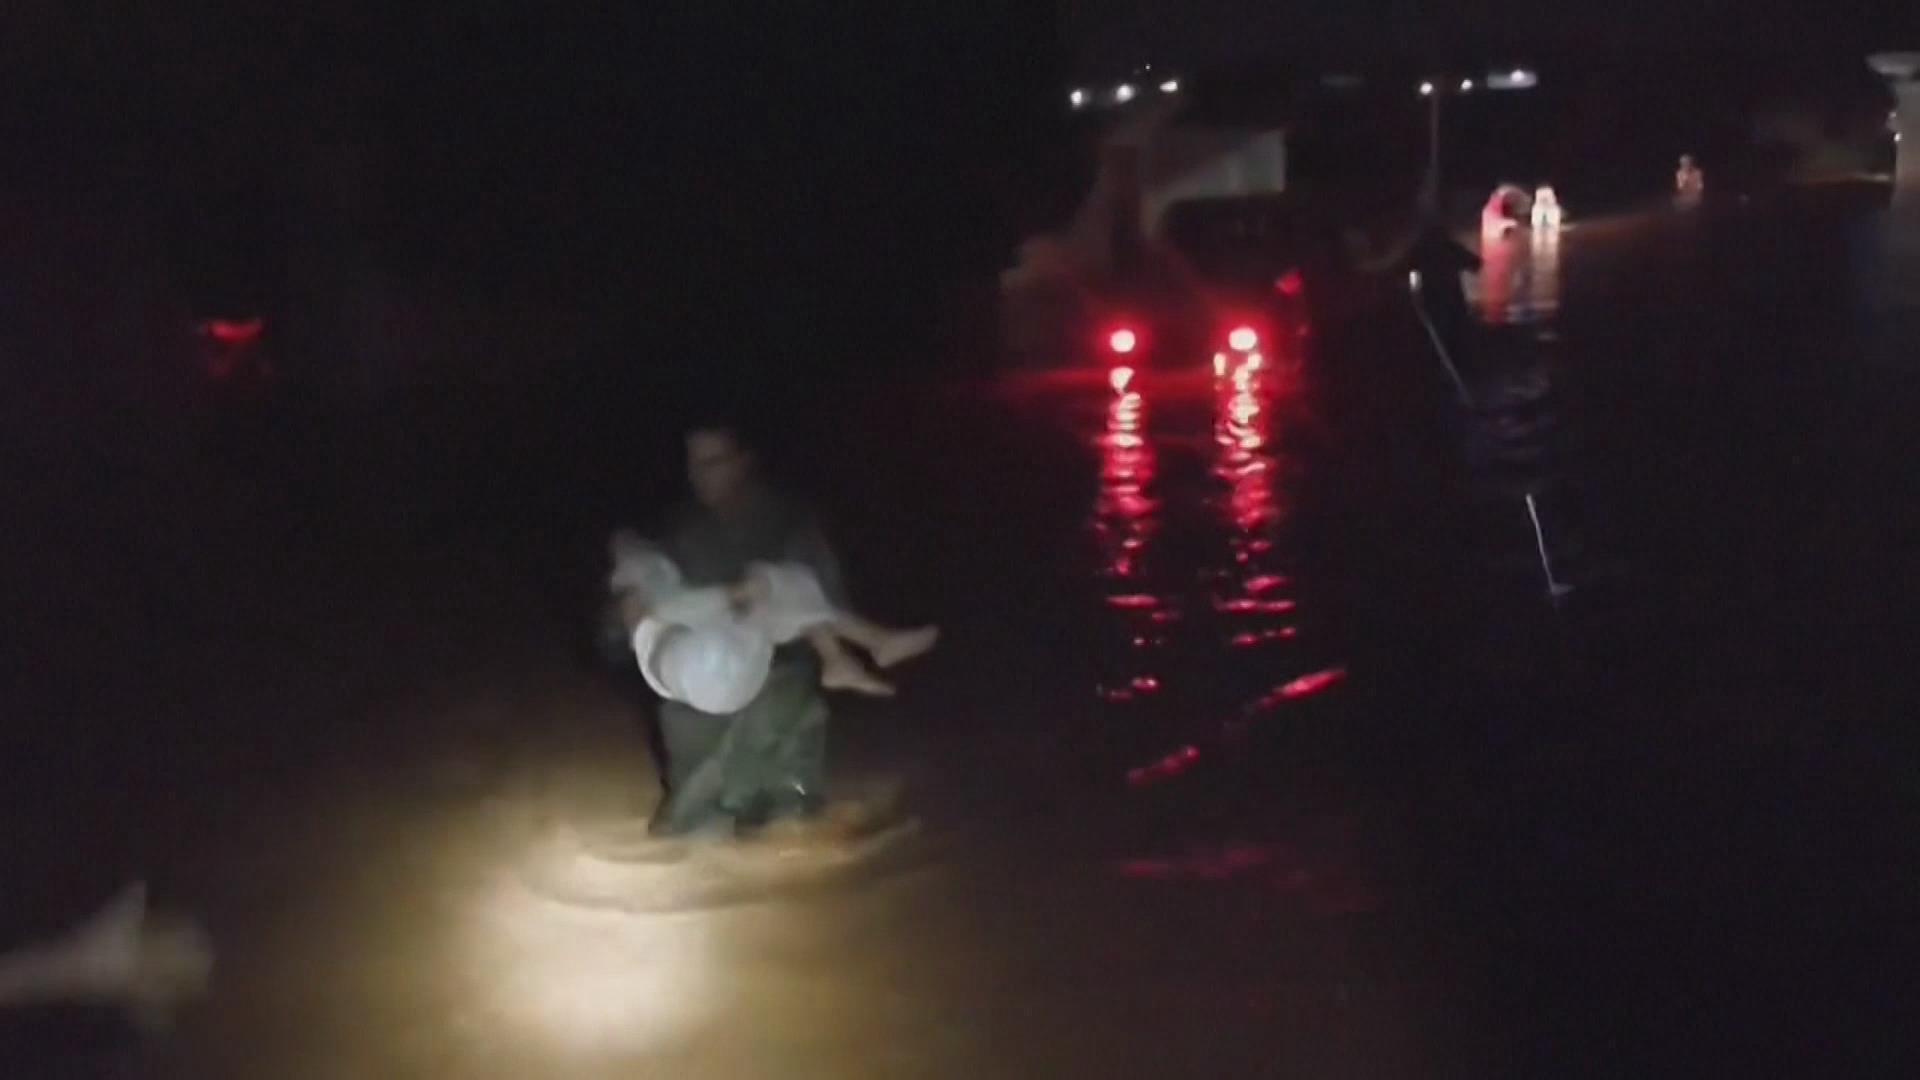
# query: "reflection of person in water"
(1504, 277)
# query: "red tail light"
(1244, 338)
(1123, 341)
(233, 331)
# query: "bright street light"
(1171, 86)
(1078, 97)
(1123, 93)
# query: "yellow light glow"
(585, 981)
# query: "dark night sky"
(1106, 32)
(713, 156)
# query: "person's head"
(719, 464)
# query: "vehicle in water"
(1223, 275)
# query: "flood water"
(1291, 720)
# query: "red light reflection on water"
(1326, 880)
(1249, 604)
(1166, 768)
(1499, 266)
(1251, 640)
(232, 346)
(1305, 686)
(1248, 471)
(1309, 685)
(1519, 279)
(1125, 519)
(234, 331)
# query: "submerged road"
(1287, 723)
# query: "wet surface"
(1291, 719)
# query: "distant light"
(1413, 280)
(1466, 86)
(1426, 89)
(1078, 98)
(1123, 341)
(1516, 79)
(1171, 86)
(1123, 92)
(1219, 364)
(1120, 378)
(1290, 284)
(1244, 338)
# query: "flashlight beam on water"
(1555, 589)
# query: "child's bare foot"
(904, 645)
(848, 674)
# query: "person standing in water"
(1430, 251)
(767, 761)
(1689, 182)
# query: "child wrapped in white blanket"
(712, 647)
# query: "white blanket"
(695, 647)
